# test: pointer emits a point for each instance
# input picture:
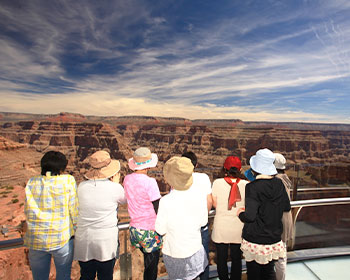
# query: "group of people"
(252, 217)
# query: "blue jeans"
(40, 262)
(205, 241)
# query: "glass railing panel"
(322, 226)
(319, 224)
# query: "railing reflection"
(319, 223)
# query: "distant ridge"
(75, 117)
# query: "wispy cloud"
(237, 60)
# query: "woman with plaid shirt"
(51, 209)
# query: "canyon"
(317, 154)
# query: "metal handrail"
(298, 204)
(320, 201)
(125, 258)
(305, 189)
(12, 243)
(18, 242)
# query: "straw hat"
(262, 162)
(178, 173)
(102, 166)
(142, 159)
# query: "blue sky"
(253, 60)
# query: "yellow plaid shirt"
(51, 209)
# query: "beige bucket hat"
(178, 173)
(280, 161)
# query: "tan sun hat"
(280, 161)
(178, 173)
(102, 166)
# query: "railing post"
(295, 213)
(295, 184)
(125, 261)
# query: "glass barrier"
(319, 223)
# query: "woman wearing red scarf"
(228, 195)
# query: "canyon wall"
(318, 156)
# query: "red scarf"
(235, 195)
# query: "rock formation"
(319, 151)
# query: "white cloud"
(106, 104)
(171, 74)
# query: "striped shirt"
(51, 209)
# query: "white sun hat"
(262, 162)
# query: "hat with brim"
(102, 166)
(262, 162)
(142, 159)
(178, 173)
(280, 161)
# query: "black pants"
(257, 271)
(104, 270)
(236, 261)
(151, 265)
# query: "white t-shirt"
(227, 227)
(181, 214)
(96, 236)
(202, 181)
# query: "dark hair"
(280, 171)
(254, 172)
(54, 162)
(234, 172)
(192, 156)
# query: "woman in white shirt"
(96, 237)
(181, 214)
